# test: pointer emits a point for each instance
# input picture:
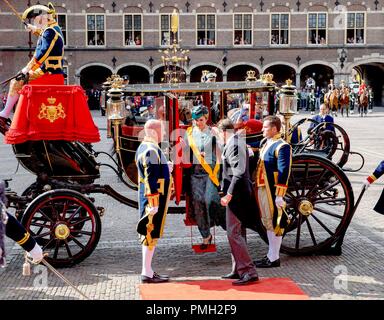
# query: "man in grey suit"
(238, 200)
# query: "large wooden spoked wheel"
(320, 201)
(66, 224)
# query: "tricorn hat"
(37, 10)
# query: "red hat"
(253, 126)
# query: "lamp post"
(287, 105)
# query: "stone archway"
(281, 73)
(373, 74)
(196, 73)
(239, 72)
(92, 76)
(158, 75)
(136, 74)
(321, 73)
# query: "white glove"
(25, 70)
(250, 151)
(36, 254)
(170, 166)
(366, 184)
(279, 201)
(152, 210)
(30, 27)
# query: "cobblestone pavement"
(112, 270)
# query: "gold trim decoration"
(213, 174)
(24, 239)
(51, 112)
(62, 231)
(305, 208)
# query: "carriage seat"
(131, 131)
(52, 112)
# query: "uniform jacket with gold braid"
(154, 186)
(379, 171)
(296, 136)
(12, 229)
(49, 51)
(273, 170)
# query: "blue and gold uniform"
(154, 188)
(379, 171)
(273, 170)
(45, 67)
(12, 228)
(49, 51)
(296, 136)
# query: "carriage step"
(23, 155)
(210, 248)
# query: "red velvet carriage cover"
(52, 112)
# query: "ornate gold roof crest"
(51, 112)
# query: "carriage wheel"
(320, 200)
(66, 224)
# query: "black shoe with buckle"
(246, 279)
(231, 275)
(266, 263)
(155, 279)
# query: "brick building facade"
(291, 39)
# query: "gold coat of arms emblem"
(51, 112)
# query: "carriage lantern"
(116, 111)
(288, 103)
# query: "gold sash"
(211, 173)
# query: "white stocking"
(270, 235)
(274, 246)
(147, 261)
(11, 100)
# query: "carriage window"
(242, 25)
(167, 37)
(95, 30)
(279, 28)
(206, 30)
(132, 30)
(142, 108)
(317, 28)
(62, 22)
(355, 28)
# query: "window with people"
(206, 30)
(96, 29)
(355, 28)
(280, 28)
(242, 25)
(167, 37)
(317, 28)
(132, 29)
